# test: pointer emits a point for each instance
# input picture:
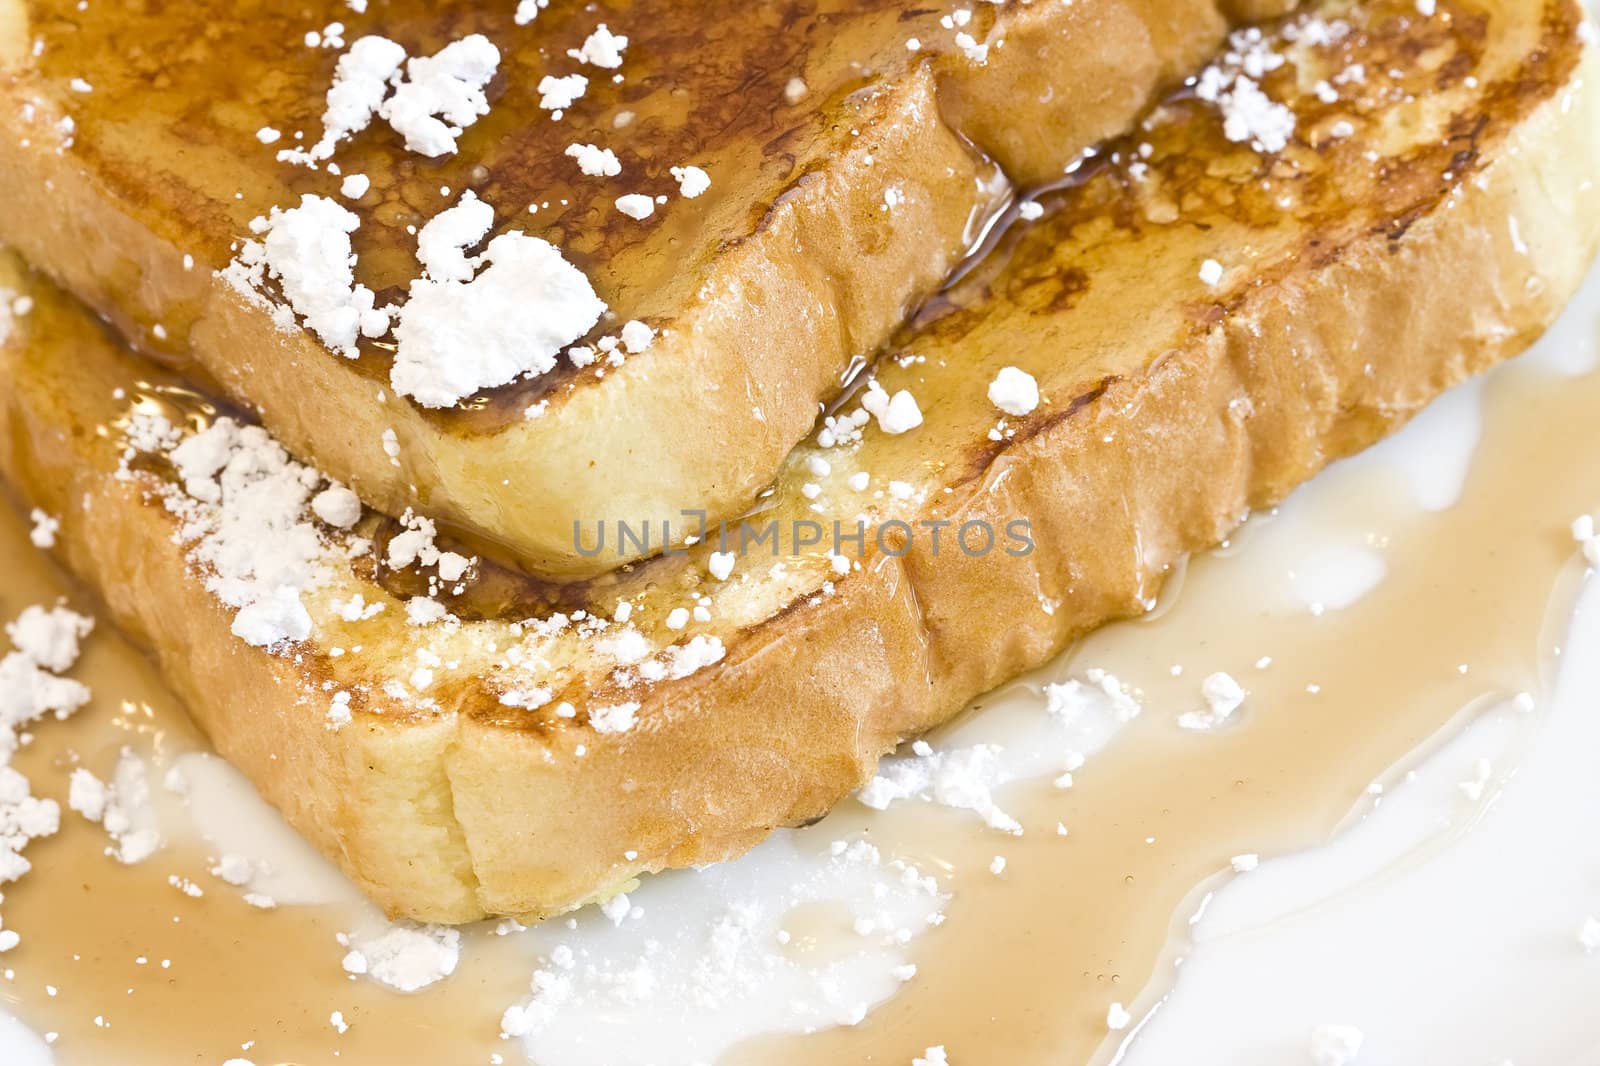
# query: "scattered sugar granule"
(692, 181)
(961, 779)
(337, 506)
(1583, 531)
(47, 642)
(442, 95)
(1249, 115)
(618, 718)
(49, 638)
(1014, 391)
(1223, 696)
(558, 94)
(602, 48)
(1072, 699)
(235, 869)
(428, 100)
(405, 957)
(121, 807)
(895, 414)
(443, 240)
(361, 80)
(186, 886)
(595, 161)
(23, 817)
(617, 908)
(636, 336)
(636, 206)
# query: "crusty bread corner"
(463, 811)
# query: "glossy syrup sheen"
(1139, 217)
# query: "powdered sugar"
(47, 643)
(432, 103)
(1074, 698)
(1014, 391)
(121, 807)
(1222, 695)
(361, 80)
(618, 718)
(456, 338)
(45, 526)
(602, 48)
(636, 206)
(528, 10)
(963, 778)
(23, 817)
(245, 515)
(441, 243)
(595, 161)
(456, 334)
(692, 181)
(50, 638)
(558, 94)
(306, 251)
(712, 948)
(337, 506)
(895, 414)
(442, 95)
(405, 957)
(1232, 84)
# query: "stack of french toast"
(545, 443)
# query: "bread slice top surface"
(847, 173)
(551, 709)
(1091, 300)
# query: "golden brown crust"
(1352, 317)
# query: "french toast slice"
(854, 150)
(1207, 325)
